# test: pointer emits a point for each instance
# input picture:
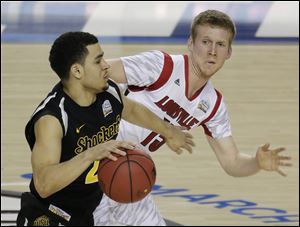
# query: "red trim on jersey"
(214, 111)
(206, 131)
(134, 88)
(186, 70)
(165, 73)
(162, 79)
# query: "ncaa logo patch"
(106, 108)
(203, 105)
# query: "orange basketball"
(129, 179)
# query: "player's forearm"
(244, 165)
(143, 117)
(52, 178)
(234, 162)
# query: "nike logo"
(79, 128)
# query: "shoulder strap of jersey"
(114, 90)
(55, 110)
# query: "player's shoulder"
(151, 56)
(163, 60)
(162, 55)
(209, 87)
(53, 99)
(53, 104)
(211, 92)
(153, 53)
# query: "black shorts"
(34, 213)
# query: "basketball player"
(73, 128)
(178, 89)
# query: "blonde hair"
(213, 18)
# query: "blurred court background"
(260, 84)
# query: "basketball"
(129, 179)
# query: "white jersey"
(160, 82)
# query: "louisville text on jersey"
(175, 111)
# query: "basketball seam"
(101, 166)
(143, 155)
(143, 170)
(130, 180)
(112, 179)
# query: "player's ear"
(76, 70)
(229, 52)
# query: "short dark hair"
(68, 49)
(213, 18)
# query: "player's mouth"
(211, 62)
(106, 76)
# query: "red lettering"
(149, 138)
(193, 122)
(174, 110)
(160, 103)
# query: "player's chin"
(106, 86)
(210, 71)
(103, 87)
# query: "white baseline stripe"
(282, 20)
(2, 27)
(138, 18)
(15, 184)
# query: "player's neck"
(196, 79)
(79, 95)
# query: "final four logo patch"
(106, 108)
(203, 105)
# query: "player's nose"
(104, 65)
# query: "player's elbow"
(42, 191)
(231, 173)
(42, 188)
(229, 164)
(230, 169)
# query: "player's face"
(95, 69)
(210, 49)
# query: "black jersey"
(83, 127)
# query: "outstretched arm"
(239, 164)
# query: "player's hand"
(107, 149)
(177, 139)
(270, 160)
